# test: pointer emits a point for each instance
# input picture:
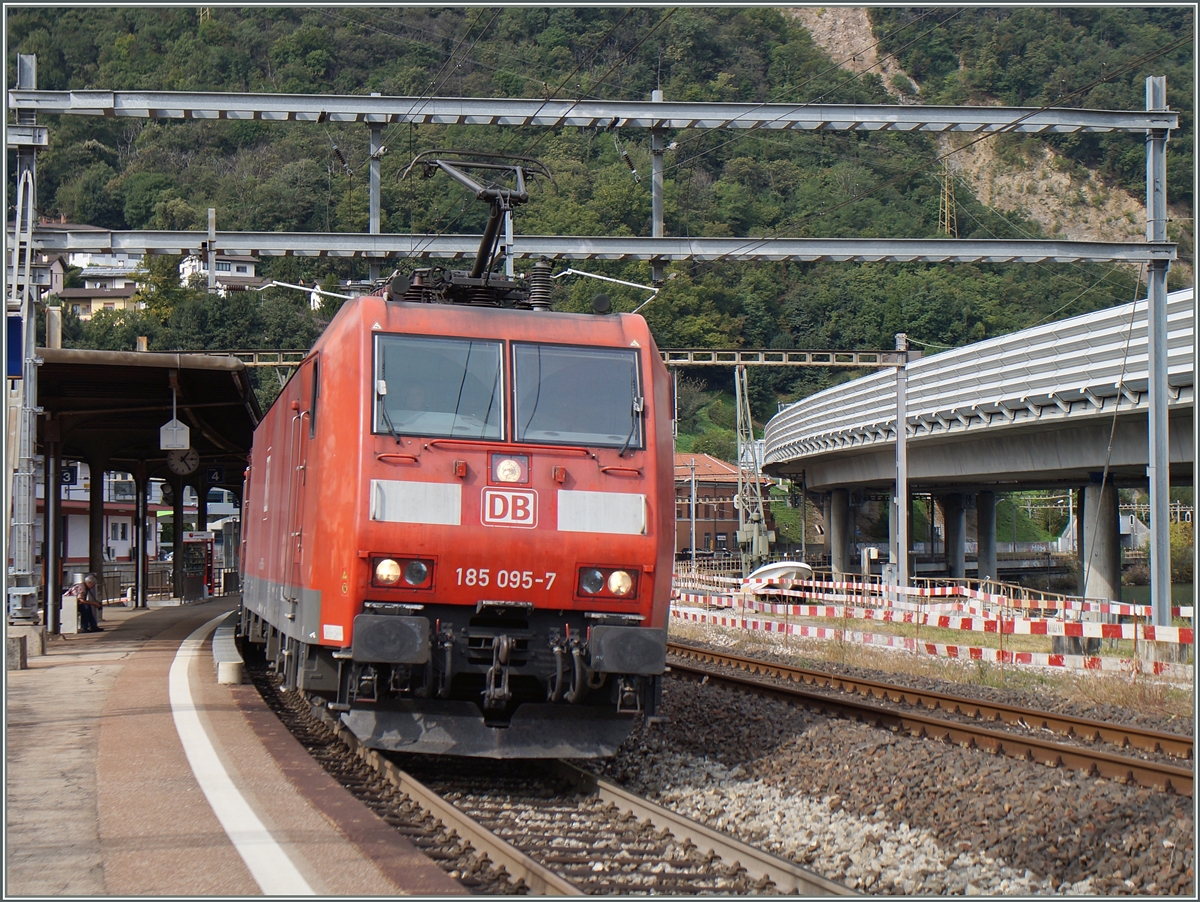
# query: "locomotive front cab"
(512, 584)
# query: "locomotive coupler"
(496, 693)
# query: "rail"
(541, 880)
(1144, 772)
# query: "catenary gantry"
(580, 113)
(451, 247)
(658, 115)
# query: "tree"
(159, 288)
(143, 190)
(92, 197)
(1183, 553)
(689, 398)
(719, 444)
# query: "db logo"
(509, 507)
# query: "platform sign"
(69, 476)
(214, 474)
(15, 351)
(174, 435)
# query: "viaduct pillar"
(1101, 549)
(839, 531)
(955, 514)
(985, 509)
(1099, 557)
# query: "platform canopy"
(111, 406)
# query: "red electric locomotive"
(458, 520)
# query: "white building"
(234, 273)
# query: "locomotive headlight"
(416, 573)
(619, 582)
(387, 572)
(508, 471)
(591, 580)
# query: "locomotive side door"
(303, 430)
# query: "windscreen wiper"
(638, 404)
(381, 397)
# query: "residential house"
(109, 279)
(87, 301)
(233, 272)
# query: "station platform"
(132, 772)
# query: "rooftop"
(71, 294)
(708, 468)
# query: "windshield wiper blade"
(638, 404)
(381, 397)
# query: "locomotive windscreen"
(443, 387)
(577, 396)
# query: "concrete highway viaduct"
(1062, 405)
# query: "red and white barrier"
(862, 591)
(938, 649)
(1008, 626)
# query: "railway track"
(452, 852)
(598, 839)
(848, 697)
(540, 828)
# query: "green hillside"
(128, 173)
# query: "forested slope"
(262, 176)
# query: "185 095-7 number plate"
(503, 579)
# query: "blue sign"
(68, 475)
(214, 474)
(15, 351)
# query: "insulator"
(482, 296)
(628, 162)
(539, 285)
(338, 154)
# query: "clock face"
(183, 461)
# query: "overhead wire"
(835, 67)
(1010, 127)
(565, 80)
(1112, 432)
(520, 62)
(580, 65)
(419, 103)
(1016, 227)
(875, 45)
(571, 74)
